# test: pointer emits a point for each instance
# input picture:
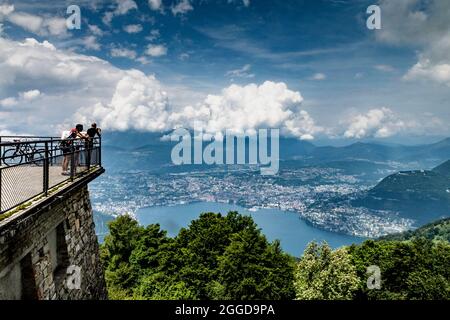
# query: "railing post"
(72, 161)
(100, 151)
(1, 171)
(51, 152)
(88, 147)
(46, 169)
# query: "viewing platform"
(31, 169)
(47, 230)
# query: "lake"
(293, 232)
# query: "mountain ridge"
(427, 155)
(418, 194)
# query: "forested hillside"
(216, 257)
(227, 257)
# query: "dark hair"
(79, 127)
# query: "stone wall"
(52, 253)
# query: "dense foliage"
(227, 257)
(323, 274)
(417, 269)
(216, 257)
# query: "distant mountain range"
(424, 154)
(136, 146)
(423, 195)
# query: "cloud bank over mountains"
(246, 108)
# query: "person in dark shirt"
(92, 132)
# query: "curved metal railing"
(32, 166)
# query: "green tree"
(198, 248)
(121, 240)
(323, 274)
(416, 269)
(159, 286)
(147, 248)
(228, 257)
(215, 257)
(115, 253)
(251, 268)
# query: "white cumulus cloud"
(155, 4)
(427, 69)
(424, 26)
(156, 50)
(8, 102)
(69, 80)
(30, 95)
(245, 108)
(384, 68)
(243, 72)
(379, 123)
(318, 77)
(123, 53)
(138, 103)
(133, 28)
(6, 9)
(91, 43)
(122, 8)
(43, 26)
(154, 34)
(246, 3)
(182, 7)
(23, 98)
(95, 30)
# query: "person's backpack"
(66, 141)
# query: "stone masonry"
(52, 253)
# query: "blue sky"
(326, 75)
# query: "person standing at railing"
(68, 147)
(92, 132)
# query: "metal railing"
(32, 166)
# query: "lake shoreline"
(293, 232)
